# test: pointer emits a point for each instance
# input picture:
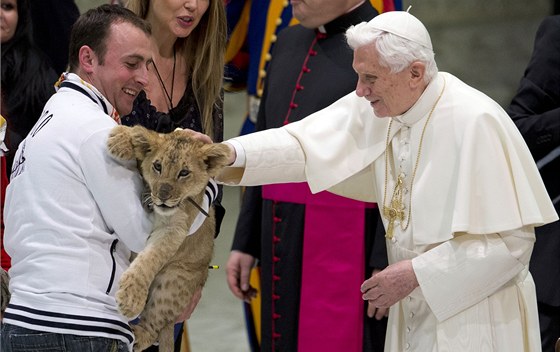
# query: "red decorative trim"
(298, 87)
(275, 220)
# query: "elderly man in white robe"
(459, 191)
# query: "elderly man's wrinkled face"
(390, 94)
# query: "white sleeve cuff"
(240, 153)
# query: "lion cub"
(162, 279)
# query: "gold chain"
(395, 209)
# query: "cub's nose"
(165, 192)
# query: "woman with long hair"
(27, 83)
(27, 77)
(185, 86)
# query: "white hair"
(395, 52)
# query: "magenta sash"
(331, 307)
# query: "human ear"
(87, 58)
(417, 71)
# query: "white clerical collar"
(424, 104)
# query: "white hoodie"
(72, 216)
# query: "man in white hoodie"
(73, 214)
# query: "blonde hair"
(205, 50)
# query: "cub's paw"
(143, 338)
(120, 144)
(131, 296)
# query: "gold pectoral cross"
(396, 209)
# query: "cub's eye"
(184, 173)
(157, 166)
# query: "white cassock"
(476, 198)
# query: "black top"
(535, 109)
(185, 115)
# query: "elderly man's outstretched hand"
(197, 135)
(206, 139)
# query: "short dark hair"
(93, 28)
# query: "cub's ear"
(144, 141)
(216, 157)
(130, 143)
(119, 143)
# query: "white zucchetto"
(402, 24)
